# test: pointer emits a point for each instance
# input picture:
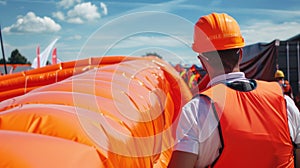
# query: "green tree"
(17, 58)
(152, 54)
(2, 61)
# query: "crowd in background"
(192, 75)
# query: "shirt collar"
(230, 77)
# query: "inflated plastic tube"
(27, 150)
(126, 109)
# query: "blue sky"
(135, 27)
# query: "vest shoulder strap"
(242, 85)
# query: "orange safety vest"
(253, 126)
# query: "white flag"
(44, 55)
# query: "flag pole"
(3, 55)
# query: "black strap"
(242, 85)
(296, 146)
(220, 134)
(219, 127)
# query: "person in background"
(235, 121)
(194, 77)
(297, 100)
(286, 87)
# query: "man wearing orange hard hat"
(235, 121)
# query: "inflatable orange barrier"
(26, 150)
(112, 111)
(23, 82)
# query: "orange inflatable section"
(110, 112)
(20, 83)
(26, 150)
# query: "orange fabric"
(217, 32)
(122, 108)
(26, 150)
(21, 82)
(254, 126)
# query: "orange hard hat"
(217, 32)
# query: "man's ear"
(203, 66)
(202, 63)
(240, 52)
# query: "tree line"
(15, 58)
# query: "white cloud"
(2, 2)
(142, 41)
(164, 6)
(67, 3)
(266, 31)
(269, 13)
(83, 12)
(33, 24)
(58, 15)
(75, 37)
(75, 20)
(104, 8)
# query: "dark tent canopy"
(261, 60)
